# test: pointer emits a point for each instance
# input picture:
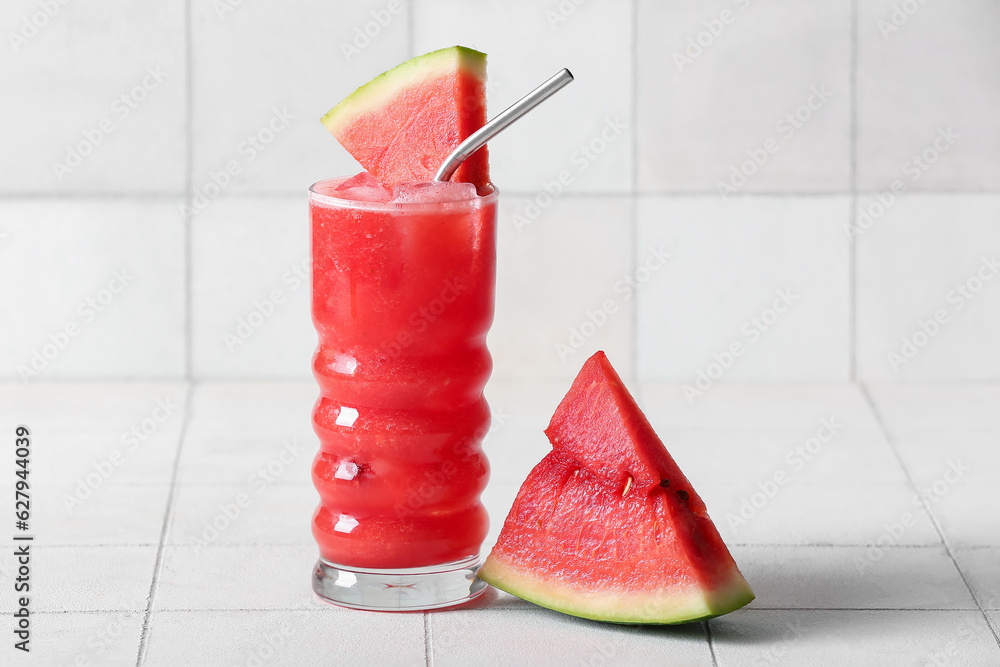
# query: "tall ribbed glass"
(402, 299)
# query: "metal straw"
(478, 139)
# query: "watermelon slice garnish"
(607, 526)
(402, 124)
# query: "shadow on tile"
(746, 626)
(853, 577)
(839, 637)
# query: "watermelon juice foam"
(402, 299)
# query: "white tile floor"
(153, 566)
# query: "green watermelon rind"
(375, 94)
(665, 607)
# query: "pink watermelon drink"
(403, 290)
(402, 301)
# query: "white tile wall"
(527, 42)
(756, 455)
(756, 406)
(731, 261)
(930, 257)
(550, 274)
(939, 70)
(250, 297)
(675, 133)
(95, 287)
(259, 58)
(103, 81)
(716, 81)
(670, 136)
(521, 413)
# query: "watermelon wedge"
(402, 124)
(606, 526)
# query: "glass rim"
(330, 201)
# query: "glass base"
(408, 589)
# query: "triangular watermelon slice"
(402, 124)
(607, 526)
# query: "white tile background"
(228, 67)
(124, 573)
(132, 572)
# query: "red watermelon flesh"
(606, 526)
(402, 124)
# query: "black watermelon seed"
(664, 483)
(683, 495)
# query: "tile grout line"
(428, 641)
(176, 610)
(158, 563)
(634, 186)
(188, 191)
(890, 439)
(411, 29)
(244, 545)
(711, 644)
(512, 608)
(141, 195)
(931, 609)
(215, 381)
(852, 262)
(692, 192)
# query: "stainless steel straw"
(500, 122)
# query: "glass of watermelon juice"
(402, 299)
